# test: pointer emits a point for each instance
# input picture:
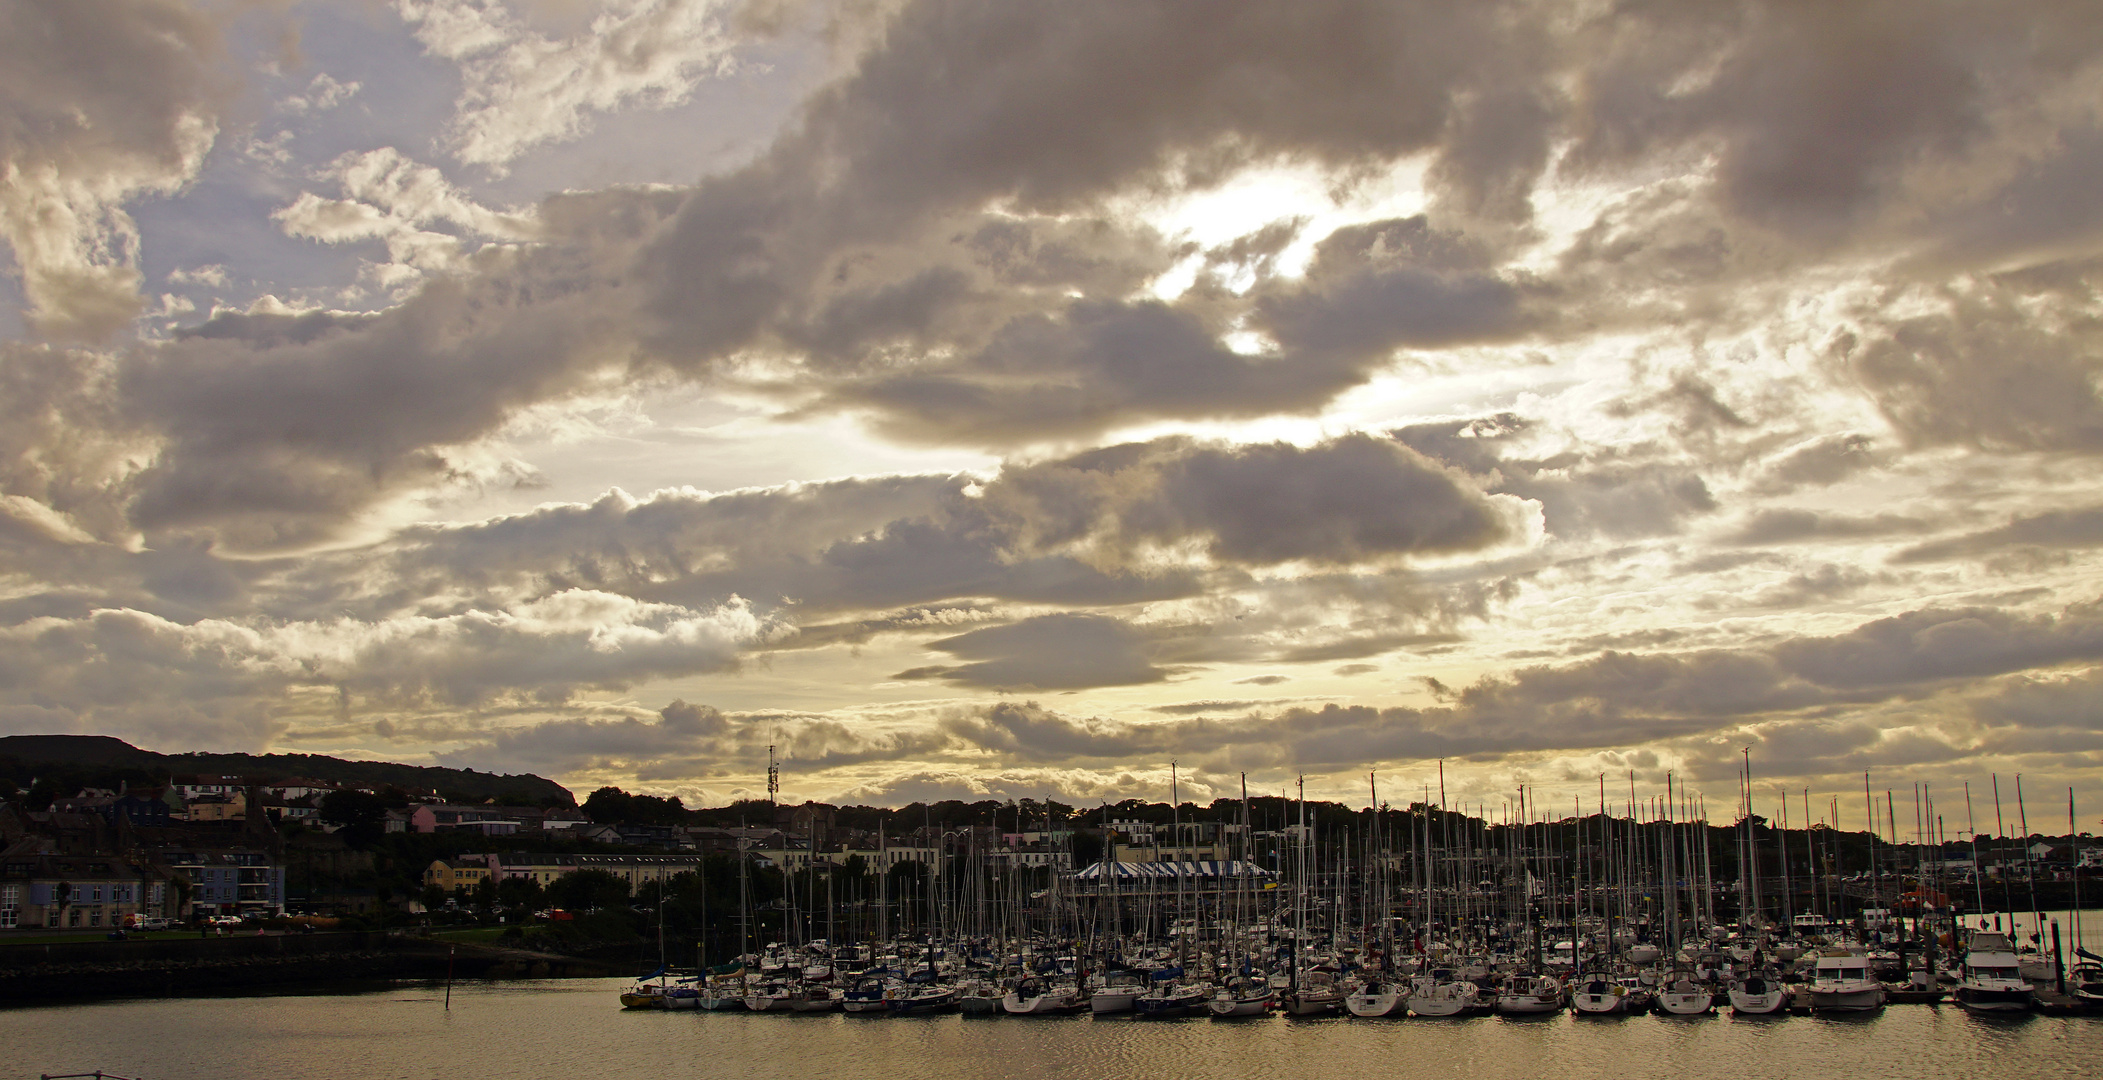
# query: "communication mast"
(773, 776)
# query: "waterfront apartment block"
(80, 891)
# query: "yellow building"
(450, 874)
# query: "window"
(94, 894)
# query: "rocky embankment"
(34, 973)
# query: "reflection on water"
(568, 1029)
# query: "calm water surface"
(562, 1030)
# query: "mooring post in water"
(449, 977)
(2059, 957)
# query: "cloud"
(1986, 365)
(1598, 491)
(1048, 652)
(522, 89)
(685, 742)
(122, 670)
(2053, 529)
(396, 201)
(1392, 284)
(1780, 526)
(1355, 498)
(106, 100)
(1822, 462)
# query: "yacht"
(1378, 997)
(1759, 993)
(1992, 981)
(1116, 992)
(1594, 994)
(1843, 982)
(1040, 996)
(1530, 995)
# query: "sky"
(973, 399)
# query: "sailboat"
(1247, 994)
(1530, 994)
(1759, 993)
(1379, 993)
(1594, 994)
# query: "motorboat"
(1843, 982)
(2084, 983)
(1992, 980)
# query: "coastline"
(46, 972)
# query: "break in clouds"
(1008, 399)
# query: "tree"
(612, 806)
(583, 890)
(519, 894)
(360, 816)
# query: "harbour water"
(571, 1029)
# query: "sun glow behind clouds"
(1264, 195)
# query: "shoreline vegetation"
(48, 972)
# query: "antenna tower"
(773, 777)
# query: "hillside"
(22, 755)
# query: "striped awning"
(1192, 868)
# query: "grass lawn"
(472, 935)
(47, 937)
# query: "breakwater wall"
(57, 971)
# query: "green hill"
(23, 756)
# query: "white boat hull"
(1865, 1000)
(1230, 1008)
(1370, 1006)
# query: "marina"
(560, 1030)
